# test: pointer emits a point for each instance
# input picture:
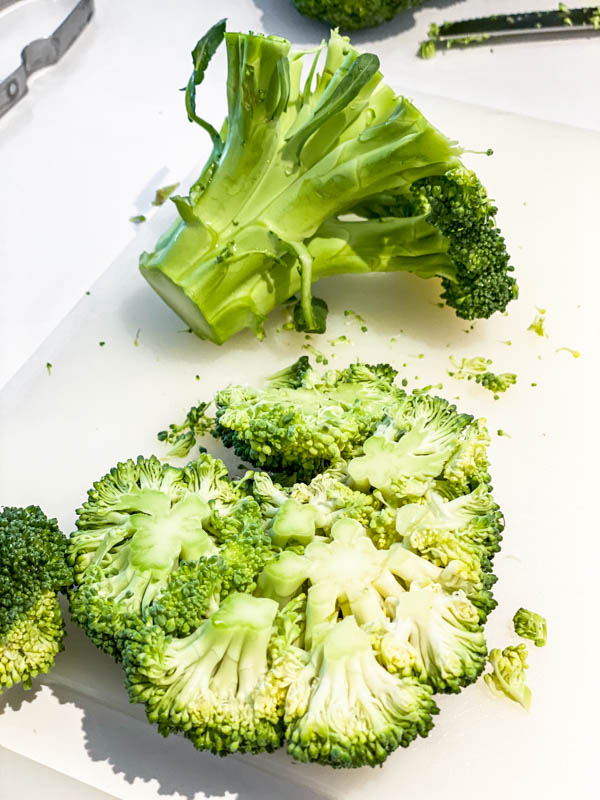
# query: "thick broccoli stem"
(292, 159)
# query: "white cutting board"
(103, 404)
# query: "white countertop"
(100, 131)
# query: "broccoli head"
(354, 14)
(139, 522)
(33, 570)
(300, 150)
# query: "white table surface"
(98, 133)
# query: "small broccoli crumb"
(340, 340)
(355, 316)
(183, 437)
(404, 382)
(320, 357)
(534, 383)
(136, 341)
(393, 340)
(364, 328)
(137, 219)
(101, 344)
(529, 625)
(88, 293)
(539, 321)
(563, 10)
(507, 342)
(574, 353)
(477, 369)
(163, 194)
(427, 49)
(500, 432)
(49, 367)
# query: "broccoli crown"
(323, 613)
(508, 674)
(301, 423)
(32, 571)
(530, 625)
(140, 521)
(300, 149)
(208, 684)
(354, 14)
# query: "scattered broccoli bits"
(300, 150)
(508, 674)
(477, 369)
(319, 602)
(32, 572)
(530, 625)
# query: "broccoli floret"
(352, 15)
(209, 684)
(139, 522)
(32, 572)
(530, 625)
(347, 575)
(183, 437)
(262, 223)
(301, 423)
(345, 710)
(197, 588)
(477, 369)
(443, 530)
(430, 430)
(468, 467)
(508, 674)
(433, 636)
(326, 499)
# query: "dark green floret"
(352, 15)
(33, 571)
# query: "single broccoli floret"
(345, 710)
(530, 625)
(183, 437)
(299, 151)
(32, 572)
(301, 423)
(139, 522)
(433, 636)
(352, 15)
(444, 530)
(347, 575)
(508, 674)
(197, 588)
(477, 369)
(429, 429)
(209, 684)
(468, 467)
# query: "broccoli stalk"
(32, 571)
(262, 222)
